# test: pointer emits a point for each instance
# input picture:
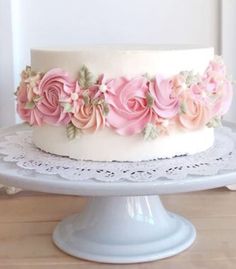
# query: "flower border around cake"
(140, 105)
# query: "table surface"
(28, 219)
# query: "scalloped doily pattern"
(18, 147)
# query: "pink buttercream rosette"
(90, 115)
(89, 118)
(218, 87)
(30, 115)
(195, 113)
(166, 101)
(27, 97)
(125, 105)
(129, 111)
(56, 89)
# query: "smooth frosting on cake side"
(114, 62)
(106, 145)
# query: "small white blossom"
(203, 93)
(103, 88)
(184, 86)
(74, 96)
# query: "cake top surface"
(123, 47)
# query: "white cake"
(186, 128)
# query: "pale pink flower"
(218, 87)
(166, 103)
(89, 118)
(194, 112)
(129, 108)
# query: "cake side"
(124, 104)
(109, 146)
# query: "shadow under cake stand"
(123, 222)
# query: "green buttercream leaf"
(183, 108)
(67, 107)
(150, 132)
(97, 101)
(37, 98)
(148, 76)
(105, 109)
(16, 92)
(214, 122)
(71, 131)
(100, 101)
(190, 77)
(150, 100)
(29, 105)
(86, 99)
(85, 77)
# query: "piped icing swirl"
(56, 88)
(129, 108)
(195, 113)
(166, 100)
(126, 105)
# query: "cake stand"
(123, 222)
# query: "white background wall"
(228, 40)
(30, 23)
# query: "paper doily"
(17, 147)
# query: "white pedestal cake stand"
(124, 222)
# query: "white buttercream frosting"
(106, 145)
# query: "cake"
(124, 103)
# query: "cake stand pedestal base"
(124, 230)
